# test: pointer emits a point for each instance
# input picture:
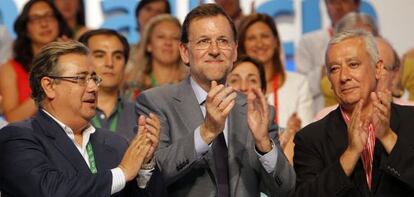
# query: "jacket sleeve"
(173, 159)
(314, 178)
(26, 170)
(281, 180)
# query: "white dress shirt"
(118, 177)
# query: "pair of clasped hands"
(221, 100)
(375, 112)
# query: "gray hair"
(370, 44)
(46, 64)
(349, 21)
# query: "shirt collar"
(199, 92)
(69, 132)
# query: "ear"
(184, 53)
(379, 69)
(48, 87)
(235, 52)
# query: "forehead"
(385, 52)
(247, 68)
(348, 48)
(74, 63)
(39, 8)
(104, 41)
(258, 27)
(159, 5)
(210, 26)
(166, 26)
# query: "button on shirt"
(118, 177)
(268, 160)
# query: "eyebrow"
(347, 60)
(251, 74)
(102, 51)
(118, 52)
(85, 73)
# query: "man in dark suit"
(57, 152)
(214, 141)
(364, 147)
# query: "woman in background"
(145, 10)
(38, 24)
(73, 11)
(249, 73)
(288, 92)
(159, 56)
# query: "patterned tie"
(367, 154)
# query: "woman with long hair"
(73, 11)
(288, 92)
(159, 58)
(38, 24)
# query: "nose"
(344, 74)
(169, 41)
(109, 61)
(44, 22)
(213, 49)
(244, 87)
(91, 86)
(259, 42)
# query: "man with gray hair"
(58, 152)
(364, 147)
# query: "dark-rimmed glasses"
(205, 43)
(81, 80)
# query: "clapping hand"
(258, 119)
(152, 130)
(136, 152)
(219, 102)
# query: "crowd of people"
(202, 108)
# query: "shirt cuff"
(269, 159)
(118, 180)
(201, 147)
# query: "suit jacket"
(37, 158)
(319, 146)
(184, 173)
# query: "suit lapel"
(101, 152)
(381, 152)
(237, 138)
(187, 106)
(338, 136)
(61, 141)
(337, 132)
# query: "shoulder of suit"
(404, 111)
(318, 128)
(17, 129)
(164, 90)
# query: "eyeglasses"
(203, 44)
(81, 80)
(37, 19)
